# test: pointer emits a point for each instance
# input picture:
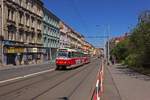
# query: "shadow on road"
(125, 70)
(64, 98)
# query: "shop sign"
(19, 50)
(10, 50)
(25, 50)
(15, 50)
(34, 50)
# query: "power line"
(96, 36)
(83, 23)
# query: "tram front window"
(62, 54)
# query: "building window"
(39, 36)
(21, 17)
(27, 4)
(27, 20)
(20, 2)
(39, 24)
(39, 10)
(9, 35)
(11, 15)
(33, 37)
(32, 5)
(44, 39)
(33, 21)
(20, 36)
(45, 29)
(27, 37)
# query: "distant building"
(51, 35)
(144, 17)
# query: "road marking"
(25, 76)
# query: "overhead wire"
(80, 17)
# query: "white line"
(25, 76)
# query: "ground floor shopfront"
(49, 54)
(20, 54)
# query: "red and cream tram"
(68, 58)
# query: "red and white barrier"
(98, 90)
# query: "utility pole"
(108, 46)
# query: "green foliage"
(131, 60)
(140, 41)
(120, 51)
(135, 49)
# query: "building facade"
(73, 38)
(64, 35)
(22, 32)
(51, 35)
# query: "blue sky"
(92, 17)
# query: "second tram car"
(68, 58)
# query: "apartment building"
(64, 35)
(51, 35)
(22, 32)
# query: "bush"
(121, 50)
(131, 60)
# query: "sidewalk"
(110, 89)
(20, 66)
(130, 84)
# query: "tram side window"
(74, 54)
(70, 55)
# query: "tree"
(140, 41)
(120, 51)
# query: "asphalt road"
(23, 70)
(74, 84)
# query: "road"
(23, 70)
(74, 84)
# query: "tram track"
(27, 85)
(60, 82)
(46, 78)
(84, 72)
(82, 80)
